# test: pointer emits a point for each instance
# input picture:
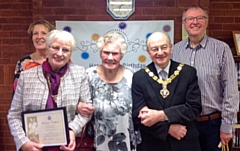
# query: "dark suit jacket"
(182, 106)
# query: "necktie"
(163, 74)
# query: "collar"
(165, 69)
(201, 44)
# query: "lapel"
(156, 87)
(173, 85)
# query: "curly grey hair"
(112, 37)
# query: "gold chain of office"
(50, 88)
(164, 92)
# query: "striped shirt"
(217, 77)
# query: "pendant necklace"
(164, 92)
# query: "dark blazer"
(182, 106)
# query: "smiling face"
(111, 56)
(59, 54)
(159, 49)
(39, 37)
(195, 27)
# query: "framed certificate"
(48, 127)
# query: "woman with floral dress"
(110, 85)
(37, 32)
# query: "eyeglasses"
(198, 19)
(156, 49)
(107, 53)
(57, 49)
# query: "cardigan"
(32, 93)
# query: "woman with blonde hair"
(37, 32)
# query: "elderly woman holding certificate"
(53, 85)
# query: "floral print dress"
(24, 63)
(113, 126)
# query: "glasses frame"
(57, 49)
(107, 53)
(162, 48)
(193, 18)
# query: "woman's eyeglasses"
(57, 48)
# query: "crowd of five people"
(186, 99)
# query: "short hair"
(194, 6)
(45, 23)
(61, 35)
(112, 37)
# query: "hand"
(225, 138)
(31, 146)
(72, 144)
(85, 109)
(143, 111)
(177, 131)
(149, 117)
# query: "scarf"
(54, 79)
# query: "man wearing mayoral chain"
(166, 100)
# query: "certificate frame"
(236, 38)
(47, 127)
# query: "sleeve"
(14, 116)
(191, 107)
(22, 64)
(16, 75)
(79, 122)
(230, 105)
(85, 90)
(159, 130)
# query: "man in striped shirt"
(217, 77)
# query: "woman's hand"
(72, 144)
(85, 109)
(31, 146)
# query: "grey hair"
(112, 37)
(194, 6)
(61, 35)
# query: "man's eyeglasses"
(156, 49)
(57, 48)
(198, 18)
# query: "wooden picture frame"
(236, 38)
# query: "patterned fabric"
(23, 64)
(217, 77)
(55, 80)
(32, 93)
(238, 72)
(113, 112)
